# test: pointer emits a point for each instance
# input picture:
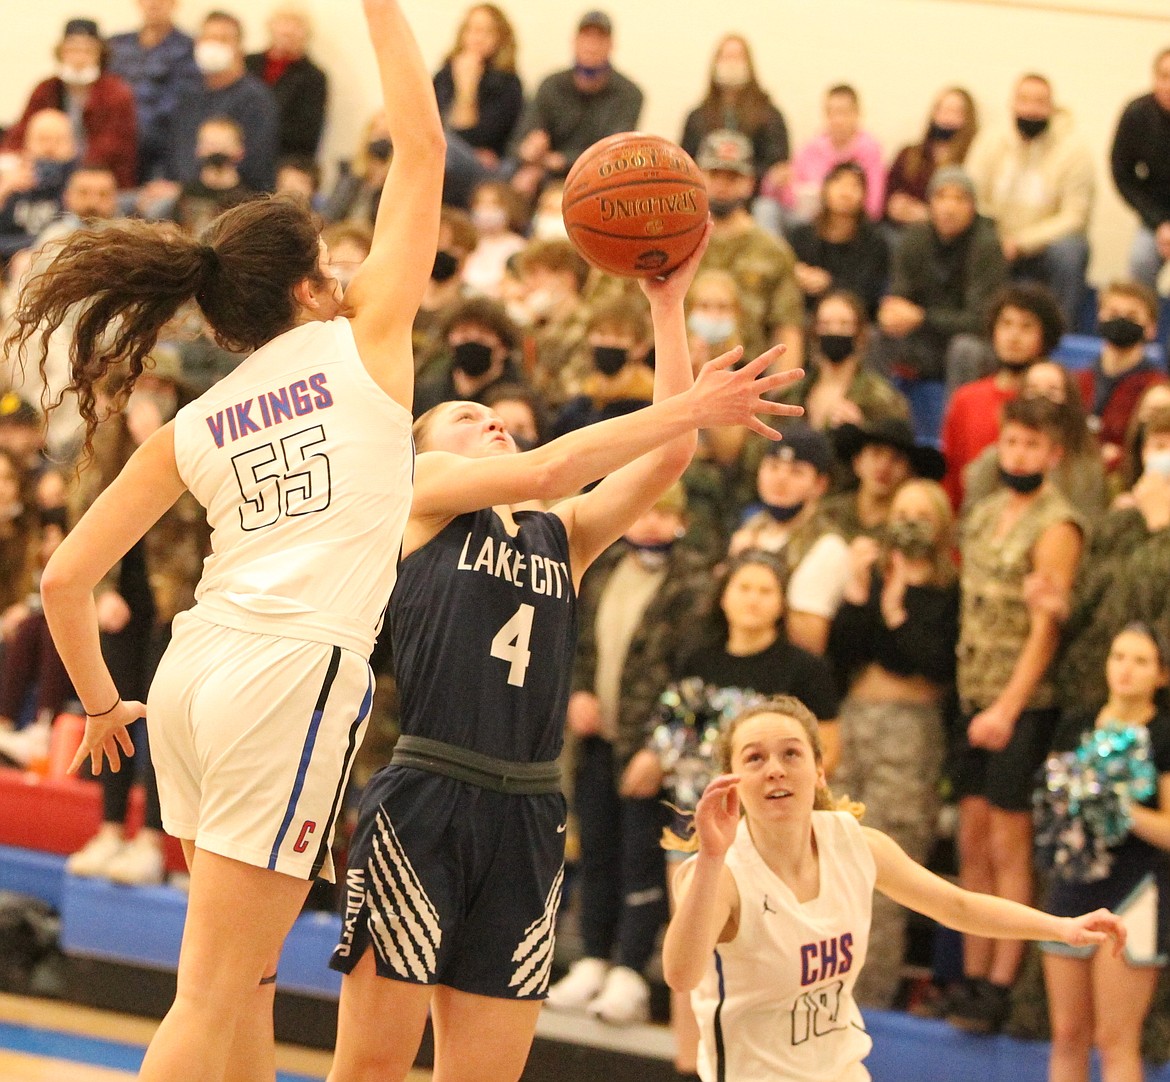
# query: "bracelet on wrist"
(117, 703)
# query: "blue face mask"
(711, 329)
(784, 512)
(1158, 462)
(591, 73)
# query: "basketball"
(635, 205)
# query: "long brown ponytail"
(124, 283)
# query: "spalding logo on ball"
(635, 205)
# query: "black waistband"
(498, 775)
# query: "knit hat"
(953, 176)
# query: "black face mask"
(217, 161)
(1014, 367)
(1023, 483)
(836, 347)
(940, 134)
(1029, 128)
(784, 513)
(473, 358)
(722, 209)
(609, 360)
(379, 149)
(445, 266)
(1121, 332)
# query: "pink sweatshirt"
(813, 161)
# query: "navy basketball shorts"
(453, 884)
(252, 737)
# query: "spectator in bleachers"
(22, 432)
(735, 101)
(950, 130)
(1024, 325)
(218, 186)
(548, 220)
(555, 313)
(881, 457)
(299, 86)
(1080, 476)
(497, 213)
(839, 388)
(18, 538)
(614, 376)
(944, 272)
(226, 89)
(637, 609)
(1156, 396)
(1140, 160)
(445, 291)
(348, 245)
(99, 105)
(32, 183)
(715, 318)
(841, 248)
(1125, 573)
(1036, 181)
(842, 140)
(359, 182)
(1127, 320)
(893, 646)
(301, 177)
(1007, 695)
(90, 197)
(157, 62)
(762, 265)
(480, 98)
(572, 109)
(480, 344)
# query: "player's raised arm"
(385, 294)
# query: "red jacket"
(970, 424)
(1119, 407)
(111, 129)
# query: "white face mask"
(541, 302)
(490, 219)
(732, 73)
(214, 57)
(549, 227)
(71, 76)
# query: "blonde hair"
(943, 571)
(787, 706)
(504, 58)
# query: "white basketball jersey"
(777, 1001)
(305, 466)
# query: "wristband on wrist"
(117, 703)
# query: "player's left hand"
(108, 738)
(674, 287)
(1093, 928)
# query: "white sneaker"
(140, 863)
(94, 857)
(575, 990)
(624, 1000)
(27, 745)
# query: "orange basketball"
(635, 205)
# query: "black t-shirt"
(781, 669)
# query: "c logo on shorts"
(307, 828)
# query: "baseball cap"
(595, 20)
(803, 444)
(728, 150)
(83, 28)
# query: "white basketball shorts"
(252, 737)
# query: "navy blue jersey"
(484, 630)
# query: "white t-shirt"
(818, 581)
(305, 467)
(777, 1001)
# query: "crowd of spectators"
(932, 573)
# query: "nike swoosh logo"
(561, 828)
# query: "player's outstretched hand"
(1094, 928)
(717, 815)
(107, 738)
(674, 287)
(726, 395)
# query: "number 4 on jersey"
(511, 644)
